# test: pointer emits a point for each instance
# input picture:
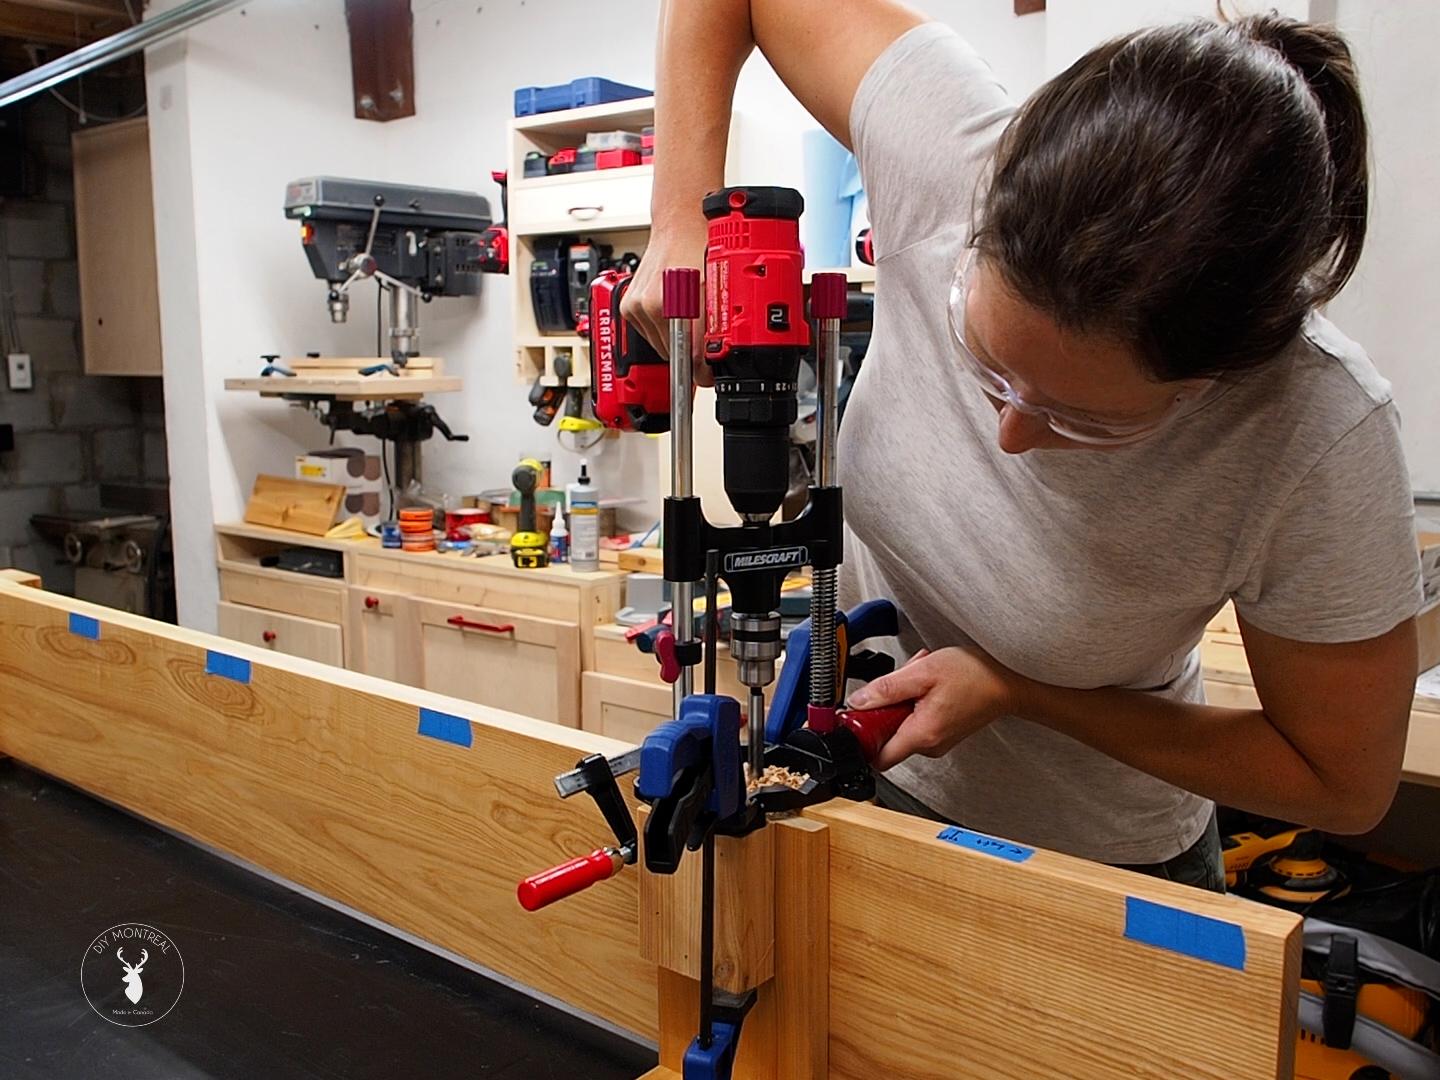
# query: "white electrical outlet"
(21, 374)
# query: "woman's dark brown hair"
(1192, 191)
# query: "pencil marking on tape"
(85, 626)
(226, 666)
(1184, 932)
(986, 845)
(446, 728)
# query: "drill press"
(692, 768)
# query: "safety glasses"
(1072, 424)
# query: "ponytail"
(1323, 59)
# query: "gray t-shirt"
(1288, 493)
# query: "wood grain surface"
(304, 506)
(951, 964)
(318, 775)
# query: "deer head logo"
(133, 988)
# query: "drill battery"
(629, 380)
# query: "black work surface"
(276, 985)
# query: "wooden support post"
(382, 58)
(771, 935)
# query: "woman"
(1097, 358)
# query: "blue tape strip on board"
(1185, 932)
(226, 666)
(988, 845)
(85, 626)
(443, 726)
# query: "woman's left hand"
(957, 691)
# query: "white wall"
(1390, 304)
(261, 96)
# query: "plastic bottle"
(584, 501)
(559, 539)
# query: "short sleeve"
(1341, 562)
(925, 123)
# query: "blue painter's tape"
(226, 666)
(85, 626)
(443, 726)
(1185, 932)
(989, 845)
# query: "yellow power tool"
(529, 548)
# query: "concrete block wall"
(72, 431)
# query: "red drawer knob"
(268, 636)
(372, 602)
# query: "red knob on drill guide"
(569, 878)
(873, 728)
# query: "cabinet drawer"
(288, 634)
(624, 709)
(497, 658)
(281, 590)
(529, 596)
(591, 201)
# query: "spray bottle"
(584, 501)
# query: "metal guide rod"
(681, 301)
(117, 45)
(828, 304)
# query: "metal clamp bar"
(681, 307)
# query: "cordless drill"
(528, 546)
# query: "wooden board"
(319, 775)
(299, 505)
(21, 577)
(348, 387)
(946, 962)
(115, 249)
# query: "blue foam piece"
(1184, 932)
(227, 666)
(85, 626)
(445, 727)
(986, 845)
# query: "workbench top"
(485, 564)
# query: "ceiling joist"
(44, 25)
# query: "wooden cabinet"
(621, 708)
(115, 246)
(515, 662)
(288, 634)
(476, 629)
(380, 635)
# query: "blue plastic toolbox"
(593, 90)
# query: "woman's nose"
(1021, 431)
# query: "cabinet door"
(288, 634)
(625, 709)
(380, 635)
(497, 658)
(115, 245)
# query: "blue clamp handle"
(718, 1062)
(872, 619)
(708, 728)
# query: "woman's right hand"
(643, 306)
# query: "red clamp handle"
(665, 653)
(873, 728)
(490, 628)
(829, 296)
(567, 879)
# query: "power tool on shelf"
(529, 548)
(693, 768)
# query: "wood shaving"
(777, 776)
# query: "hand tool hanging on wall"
(495, 241)
(693, 768)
